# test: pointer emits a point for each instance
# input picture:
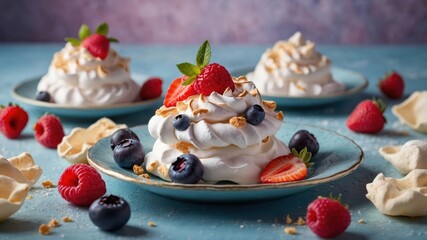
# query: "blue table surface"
(182, 220)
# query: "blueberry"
(128, 152)
(187, 169)
(304, 138)
(255, 114)
(181, 122)
(109, 212)
(43, 96)
(120, 135)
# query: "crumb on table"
(67, 219)
(47, 184)
(290, 230)
(288, 219)
(44, 229)
(53, 223)
(300, 221)
(151, 224)
(361, 221)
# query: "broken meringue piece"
(74, 147)
(407, 157)
(12, 196)
(25, 164)
(413, 111)
(400, 197)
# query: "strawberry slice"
(287, 168)
(178, 92)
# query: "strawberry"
(207, 77)
(367, 117)
(178, 92)
(13, 120)
(97, 44)
(287, 168)
(392, 85)
(327, 217)
(49, 131)
(152, 88)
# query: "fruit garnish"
(255, 114)
(48, 131)
(81, 184)
(98, 44)
(187, 168)
(120, 135)
(13, 120)
(181, 122)
(327, 217)
(129, 152)
(109, 212)
(43, 96)
(367, 117)
(178, 92)
(302, 139)
(287, 168)
(205, 77)
(392, 85)
(152, 88)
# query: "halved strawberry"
(178, 92)
(287, 168)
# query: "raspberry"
(81, 184)
(213, 78)
(327, 217)
(49, 131)
(13, 120)
(152, 88)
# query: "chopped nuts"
(102, 72)
(200, 111)
(242, 94)
(183, 147)
(163, 170)
(151, 224)
(67, 219)
(138, 170)
(266, 139)
(44, 229)
(47, 184)
(280, 115)
(290, 230)
(53, 223)
(29, 197)
(151, 167)
(238, 122)
(270, 104)
(288, 219)
(181, 106)
(300, 221)
(164, 111)
(361, 221)
(145, 175)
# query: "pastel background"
(221, 21)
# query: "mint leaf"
(74, 41)
(84, 32)
(114, 40)
(188, 69)
(102, 29)
(203, 55)
(189, 81)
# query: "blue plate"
(354, 83)
(26, 91)
(338, 157)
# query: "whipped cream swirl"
(75, 77)
(294, 68)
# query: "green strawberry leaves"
(102, 29)
(74, 41)
(85, 32)
(304, 155)
(202, 59)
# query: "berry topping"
(327, 217)
(109, 212)
(81, 184)
(43, 96)
(207, 77)
(49, 131)
(152, 88)
(181, 122)
(287, 168)
(120, 135)
(187, 169)
(97, 44)
(367, 117)
(392, 85)
(129, 152)
(255, 114)
(178, 92)
(13, 120)
(302, 139)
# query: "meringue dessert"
(413, 111)
(294, 68)
(74, 146)
(87, 71)
(17, 176)
(400, 197)
(407, 157)
(230, 148)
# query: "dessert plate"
(26, 91)
(354, 83)
(338, 157)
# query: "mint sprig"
(84, 32)
(202, 59)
